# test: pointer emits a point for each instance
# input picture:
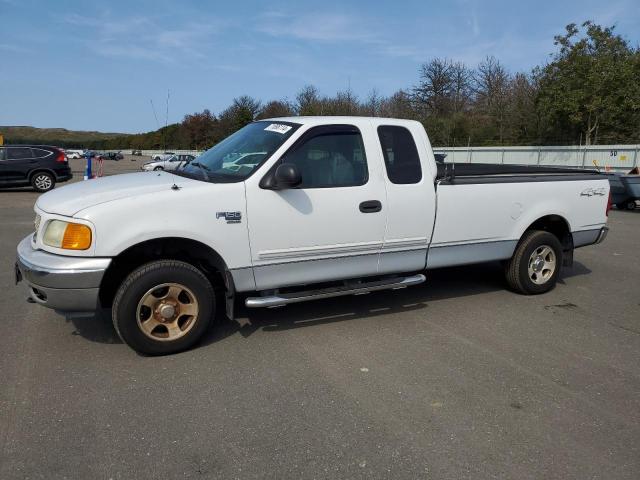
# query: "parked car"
(245, 160)
(136, 152)
(111, 155)
(74, 154)
(335, 206)
(173, 162)
(161, 156)
(37, 165)
(625, 190)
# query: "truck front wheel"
(536, 263)
(163, 307)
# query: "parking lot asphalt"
(456, 378)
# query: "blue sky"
(95, 65)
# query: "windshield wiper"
(203, 169)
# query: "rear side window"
(330, 156)
(40, 153)
(18, 153)
(400, 154)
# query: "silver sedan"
(174, 162)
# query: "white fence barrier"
(150, 153)
(610, 157)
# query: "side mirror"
(287, 176)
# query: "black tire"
(42, 182)
(630, 205)
(137, 286)
(157, 168)
(517, 268)
(621, 206)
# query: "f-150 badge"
(230, 217)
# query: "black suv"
(36, 165)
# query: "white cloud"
(324, 27)
(333, 28)
(141, 37)
(6, 47)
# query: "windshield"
(237, 156)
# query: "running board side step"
(279, 300)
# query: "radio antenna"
(166, 123)
(155, 114)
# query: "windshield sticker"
(278, 128)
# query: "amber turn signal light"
(76, 237)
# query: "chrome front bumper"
(69, 284)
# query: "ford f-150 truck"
(334, 206)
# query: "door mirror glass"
(287, 176)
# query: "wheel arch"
(558, 226)
(198, 254)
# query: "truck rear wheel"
(163, 307)
(536, 263)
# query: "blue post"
(87, 172)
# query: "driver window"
(330, 157)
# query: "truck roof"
(327, 120)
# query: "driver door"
(323, 229)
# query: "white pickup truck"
(334, 206)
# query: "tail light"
(61, 157)
(608, 204)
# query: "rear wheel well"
(196, 253)
(559, 227)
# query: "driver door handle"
(370, 206)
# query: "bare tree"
(371, 106)
(444, 87)
(344, 103)
(308, 101)
(461, 91)
(276, 108)
(397, 105)
(491, 86)
(521, 115)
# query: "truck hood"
(71, 199)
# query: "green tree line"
(587, 93)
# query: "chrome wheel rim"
(542, 264)
(167, 312)
(43, 182)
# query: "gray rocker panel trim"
(452, 255)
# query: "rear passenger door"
(3, 164)
(410, 198)
(19, 161)
(324, 229)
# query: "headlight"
(67, 235)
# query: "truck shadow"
(441, 284)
